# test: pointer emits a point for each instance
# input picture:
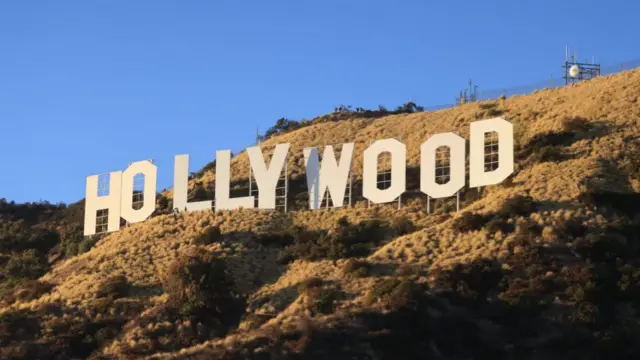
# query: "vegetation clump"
(200, 284)
(356, 268)
(212, 235)
(344, 241)
(318, 296)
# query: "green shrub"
(15, 236)
(70, 244)
(346, 240)
(199, 283)
(356, 268)
(29, 264)
(163, 203)
(71, 249)
(402, 225)
(323, 301)
(394, 293)
(320, 297)
(86, 245)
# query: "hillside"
(545, 265)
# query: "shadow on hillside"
(552, 146)
(518, 308)
(144, 291)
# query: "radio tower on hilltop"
(468, 95)
(576, 71)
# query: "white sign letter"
(111, 202)
(328, 176)
(223, 178)
(181, 185)
(267, 179)
(428, 184)
(477, 174)
(150, 172)
(398, 171)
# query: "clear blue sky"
(81, 81)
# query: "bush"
(570, 228)
(346, 240)
(71, 249)
(499, 224)
(283, 125)
(31, 290)
(70, 244)
(163, 203)
(319, 299)
(356, 268)
(113, 287)
(402, 225)
(469, 221)
(29, 264)
(323, 301)
(518, 206)
(394, 293)
(199, 284)
(85, 245)
(577, 125)
(212, 235)
(309, 284)
(15, 236)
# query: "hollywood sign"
(329, 175)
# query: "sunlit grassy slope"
(600, 155)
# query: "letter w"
(329, 176)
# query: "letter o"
(398, 153)
(150, 172)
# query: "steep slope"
(531, 240)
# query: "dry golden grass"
(144, 251)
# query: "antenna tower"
(575, 71)
(467, 95)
